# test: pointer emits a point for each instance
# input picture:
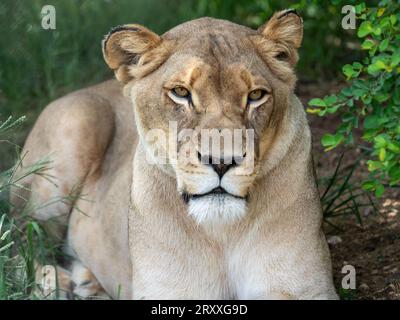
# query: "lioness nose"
(221, 167)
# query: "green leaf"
(394, 173)
(395, 59)
(377, 31)
(348, 71)
(348, 116)
(382, 97)
(383, 45)
(357, 66)
(348, 92)
(372, 69)
(381, 141)
(384, 23)
(373, 165)
(380, 12)
(367, 44)
(377, 66)
(396, 96)
(330, 100)
(382, 154)
(393, 19)
(333, 109)
(371, 122)
(314, 110)
(366, 99)
(392, 146)
(317, 102)
(330, 141)
(369, 185)
(360, 8)
(380, 189)
(380, 64)
(365, 29)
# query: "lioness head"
(209, 80)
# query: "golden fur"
(128, 225)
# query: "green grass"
(21, 242)
(39, 65)
(18, 252)
(19, 247)
(342, 194)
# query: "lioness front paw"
(85, 284)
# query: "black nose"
(220, 168)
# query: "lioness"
(186, 229)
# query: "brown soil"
(372, 247)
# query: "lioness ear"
(285, 30)
(132, 51)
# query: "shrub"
(370, 102)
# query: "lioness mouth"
(216, 191)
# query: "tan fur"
(129, 226)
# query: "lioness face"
(209, 96)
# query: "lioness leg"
(85, 283)
(57, 282)
(52, 282)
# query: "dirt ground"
(372, 247)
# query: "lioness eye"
(181, 92)
(256, 95)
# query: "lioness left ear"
(132, 51)
(285, 32)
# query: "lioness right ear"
(132, 51)
(284, 30)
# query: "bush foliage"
(371, 100)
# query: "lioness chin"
(182, 228)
